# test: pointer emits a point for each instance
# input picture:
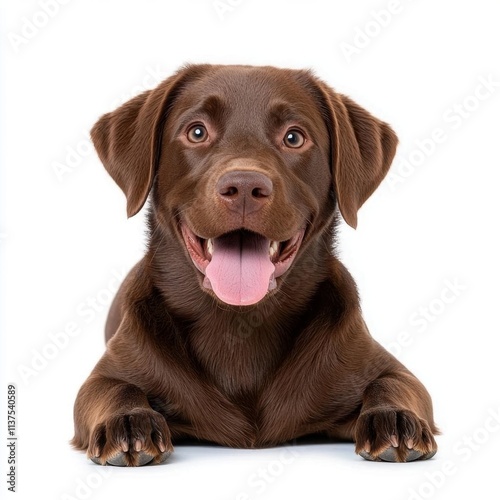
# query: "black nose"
(244, 191)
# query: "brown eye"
(294, 139)
(197, 133)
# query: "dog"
(240, 326)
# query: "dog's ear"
(362, 151)
(128, 140)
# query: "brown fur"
(179, 362)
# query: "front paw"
(393, 435)
(138, 437)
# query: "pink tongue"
(240, 269)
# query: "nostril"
(259, 193)
(230, 191)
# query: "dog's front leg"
(395, 423)
(116, 425)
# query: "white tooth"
(273, 248)
(210, 246)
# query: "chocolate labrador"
(240, 326)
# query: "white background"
(64, 238)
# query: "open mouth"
(241, 266)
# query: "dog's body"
(240, 326)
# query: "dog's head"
(247, 165)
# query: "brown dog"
(240, 326)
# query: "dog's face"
(248, 163)
(244, 171)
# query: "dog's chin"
(241, 267)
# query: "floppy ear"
(128, 140)
(362, 151)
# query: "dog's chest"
(235, 355)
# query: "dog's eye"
(294, 139)
(197, 133)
